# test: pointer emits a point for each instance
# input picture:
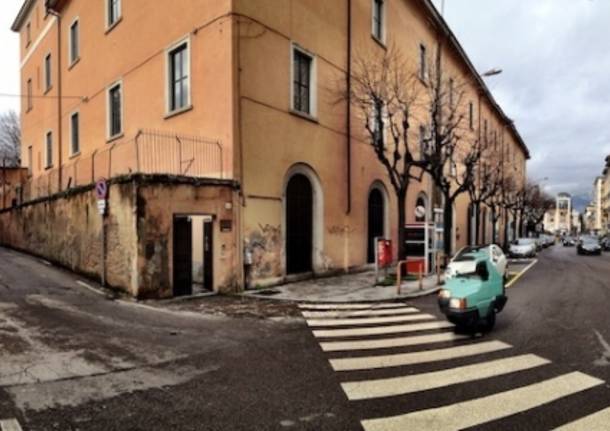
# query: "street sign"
(101, 189)
(101, 206)
(384, 252)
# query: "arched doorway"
(376, 222)
(299, 224)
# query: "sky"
(9, 47)
(555, 57)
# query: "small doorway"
(299, 225)
(183, 257)
(193, 255)
(376, 228)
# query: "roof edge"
(22, 14)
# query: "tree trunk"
(402, 218)
(477, 223)
(447, 227)
(505, 229)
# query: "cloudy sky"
(556, 83)
(555, 55)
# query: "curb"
(412, 295)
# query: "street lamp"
(491, 72)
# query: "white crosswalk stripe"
(356, 313)
(386, 343)
(380, 330)
(10, 425)
(478, 411)
(474, 368)
(599, 421)
(370, 306)
(402, 359)
(369, 320)
(438, 379)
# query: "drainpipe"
(57, 15)
(349, 107)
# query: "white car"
(463, 261)
(523, 247)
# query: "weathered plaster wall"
(157, 204)
(66, 229)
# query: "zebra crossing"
(381, 351)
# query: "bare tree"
(449, 151)
(10, 139)
(384, 91)
(536, 203)
(487, 184)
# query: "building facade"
(245, 92)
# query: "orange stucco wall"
(241, 96)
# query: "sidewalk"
(345, 288)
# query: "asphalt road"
(71, 359)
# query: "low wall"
(66, 229)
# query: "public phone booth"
(424, 240)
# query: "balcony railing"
(148, 152)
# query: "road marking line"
(518, 276)
(10, 425)
(369, 320)
(595, 422)
(368, 389)
(478, 411)
(371, 306)
(91, 288)
(401, 359)
(381, 312)
(45, 262)
(335, 346)
(381, 330)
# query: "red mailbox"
(384, 253)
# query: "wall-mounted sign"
(226, 225)
(101, 189)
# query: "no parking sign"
(101, 192)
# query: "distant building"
(560, 218)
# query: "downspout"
(57, 15)
(349, 108)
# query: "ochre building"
(220, 129)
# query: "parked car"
(461, 262)
(589, 245)
(523, 247)
(568, 241)
(547, 240)
(472, 298)
(605, 243)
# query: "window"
(179, 77)
(423, 147)
(30, 161)
(115, 110)
(47, 73)
(113, 12)
(74, 48)
(451, 93)
(379, 20)
(423, 67)
(29, 95)
(28, 34)
(74, 134)
(471, 115)
(303, 82)
(379, 127)
(49, 149)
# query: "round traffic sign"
(101, 189)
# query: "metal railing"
(148, 152)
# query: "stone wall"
(66, 229)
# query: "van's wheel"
(490, 320)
